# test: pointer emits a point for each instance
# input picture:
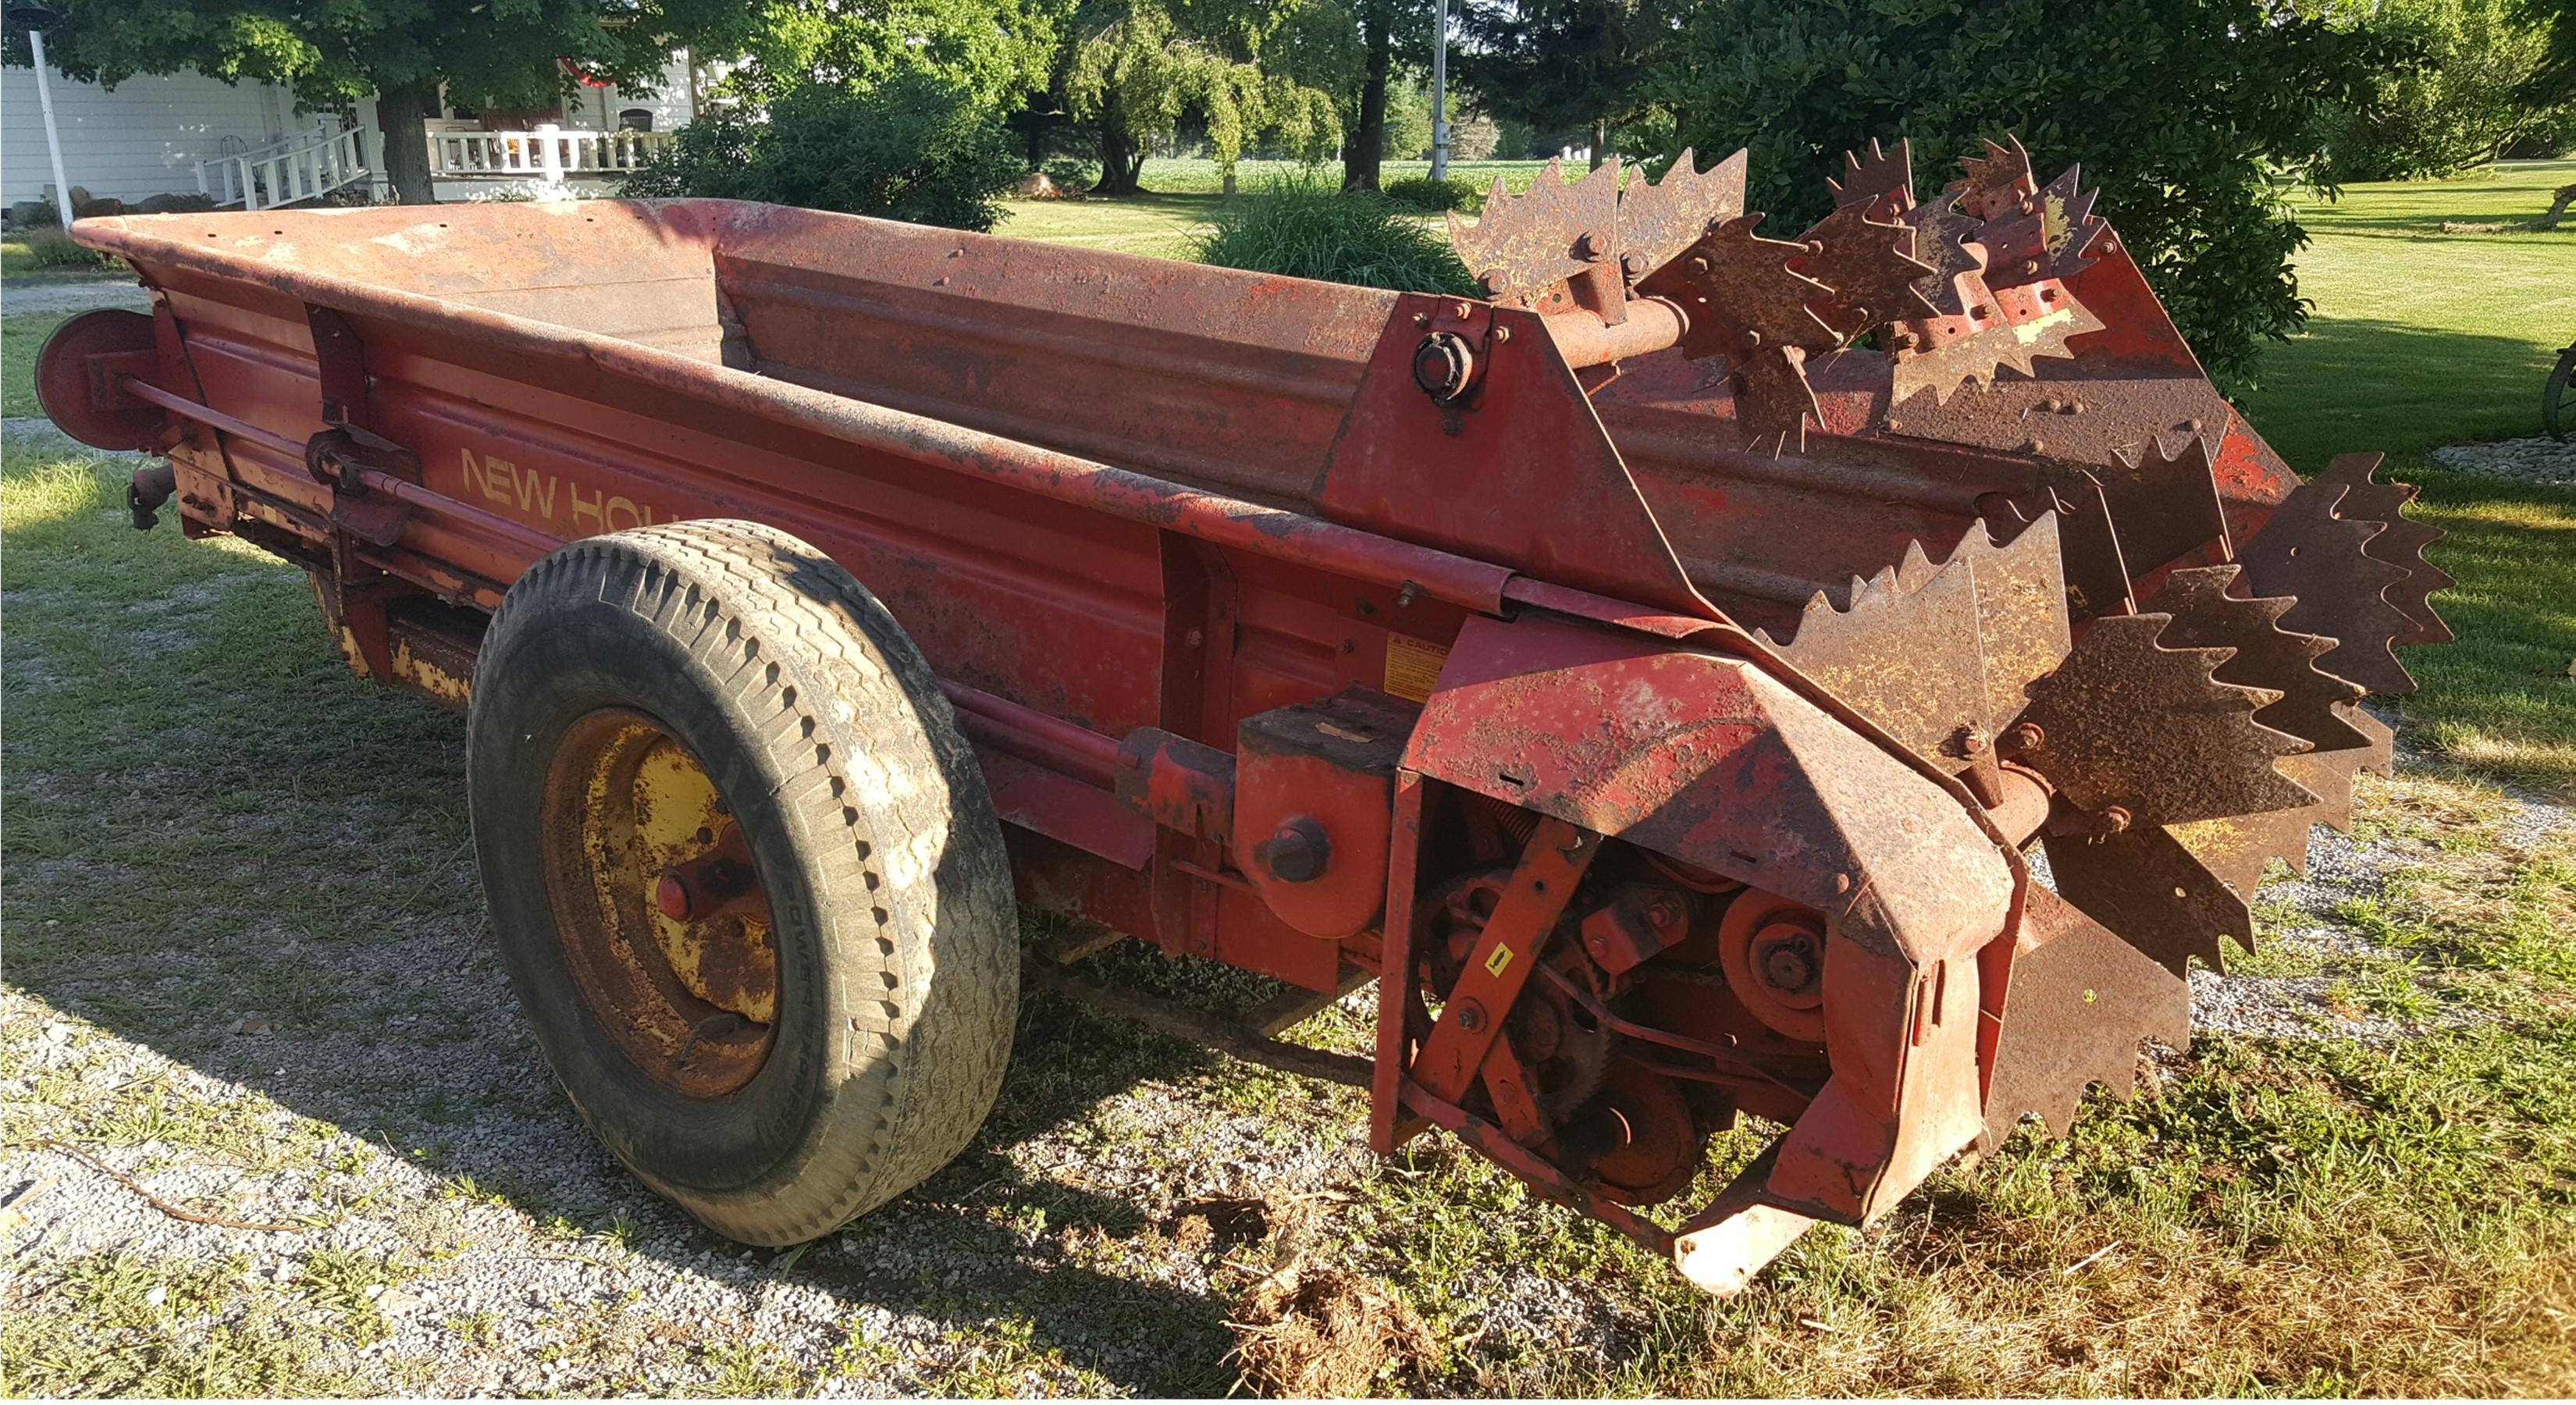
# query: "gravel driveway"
(67, 296)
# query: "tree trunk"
(1364, 149)
(1120, 158)
(1600, 141)
(400, 113)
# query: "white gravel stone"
(2538, 459)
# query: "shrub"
(910, 149)
(1306, 229)
(51, 248)
(1423, 193)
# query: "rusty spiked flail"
(2175, 656)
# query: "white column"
(1440, 92)
(53, 139)
(550, 161)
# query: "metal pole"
(1440, 93)
(53, 140)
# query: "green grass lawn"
(21, 338)
(2421, 338)
(22, 260)
(2273, 1216)
(1179, 197)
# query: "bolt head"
(671, 898)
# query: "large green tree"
(2191, 116)
(996, 50)
(1134, 70)
(335, 53)
(1568, 64)
(2469, 101)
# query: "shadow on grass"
(209, 819)
(2499, 700)
(2348, 384)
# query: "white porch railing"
(549, 154)
(298, 167)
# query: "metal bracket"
(334, 458)
(1506, 953)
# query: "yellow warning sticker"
(1500, 961)
(1413, 667)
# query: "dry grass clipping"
(1326, 1333)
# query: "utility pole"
(1440, 92)
(34, 19)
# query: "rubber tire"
(876, 841)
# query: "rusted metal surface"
(1764, 661)
(1526, 715)
(2083, 1001)
(1596, 233)
(2162, 899)
(1940, 656)
(2312, 552)
(80, 379)
(1508, 948)
(2207, 616)
(2139, 732)
(2400, 543)
(1884, 181)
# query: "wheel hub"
(664, 923)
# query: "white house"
(189, 134)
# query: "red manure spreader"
(1657, 674)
